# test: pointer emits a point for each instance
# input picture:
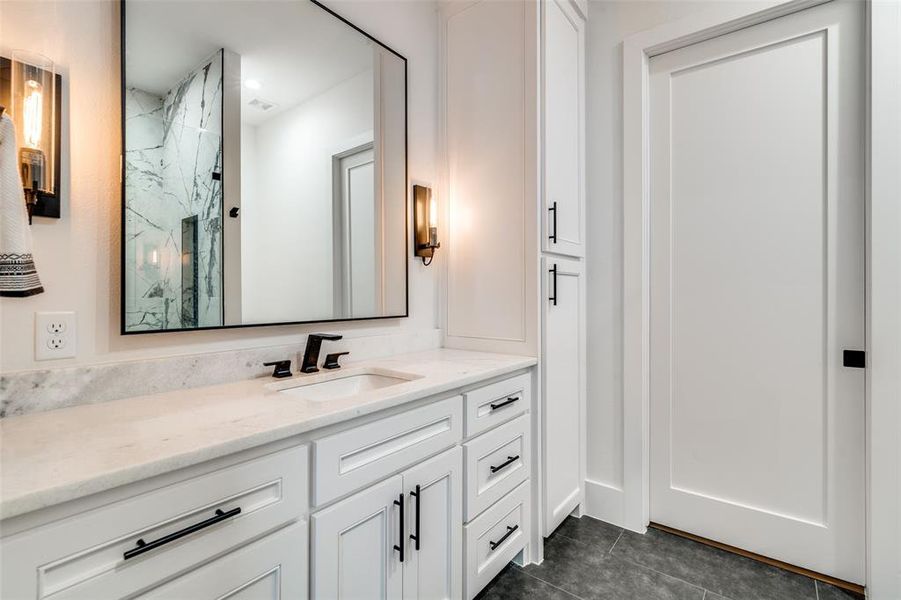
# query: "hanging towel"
(18, 276)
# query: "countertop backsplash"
(47, 389)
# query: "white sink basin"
(342, 385)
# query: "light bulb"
(32, 113)
(433, 212)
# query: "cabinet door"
(563, 69)
(434, 570)
(563, 383)
(353, 546)
(272, 568)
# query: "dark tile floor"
(589, 559)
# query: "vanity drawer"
(351, 459)
(495, 537)
(83, 556)
(498, 402)
(496, 462)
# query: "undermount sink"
(343, 385)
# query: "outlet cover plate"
(54, 335)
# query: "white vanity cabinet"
(401, 538)
(426, 501)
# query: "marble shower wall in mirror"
(265, 167)
(173, 217)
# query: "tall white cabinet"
(513, 96)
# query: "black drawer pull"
(553, 209)
(143, 546)
(509, 400)
(399, 546)
(510, 460)
(510, 530)
(553, 271)
(417, 494)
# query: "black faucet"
(311, 354)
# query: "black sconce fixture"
(425, 223)
(30, 91)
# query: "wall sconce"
(425, 220)
(30, 89)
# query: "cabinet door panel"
(564, 389)
(563, 31)
(434, 572)
(353, 546)
(272, 568)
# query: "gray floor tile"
(730, 575)
(597, 534)
(591, 574)
(513, 584)
(830, 592)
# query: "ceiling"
(295, 49)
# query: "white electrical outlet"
(54, 335)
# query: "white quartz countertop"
(52, 457)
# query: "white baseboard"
(606, 503)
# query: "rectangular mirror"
(265, 167)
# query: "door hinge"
(854, 358)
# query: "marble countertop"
(52, 457)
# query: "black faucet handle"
(332, 337)
(331, 360)
(282, 368)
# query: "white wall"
(286, 232)
(608, 24)
(78, 255)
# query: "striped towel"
(18, 276)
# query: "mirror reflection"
(265, 167)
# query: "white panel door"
(757, 286)
(353, 554)
(563, 383)
(563, 68)
(434, 567)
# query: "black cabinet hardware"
(510, 460)
(233, 212)
(856, 359)
(553, 209)
(400, 527)
(415, 537)
(331, 360)
(553, 271)
(282, 368)
(510, 530)
(143, 546)
(510, 400)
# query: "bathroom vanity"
(406, 477)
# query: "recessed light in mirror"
(252, 84)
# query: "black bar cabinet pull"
(553, 271)
(553, 209)
(510, 530)
(415, 537)
(143, 546)
(856, 359)
(509, 400)
(510, 460)
(400, 528)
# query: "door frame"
(883, 279)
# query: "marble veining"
(36, 391)
(173, 149)
(58, 456)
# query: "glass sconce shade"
(425, 222)
(33, 106)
